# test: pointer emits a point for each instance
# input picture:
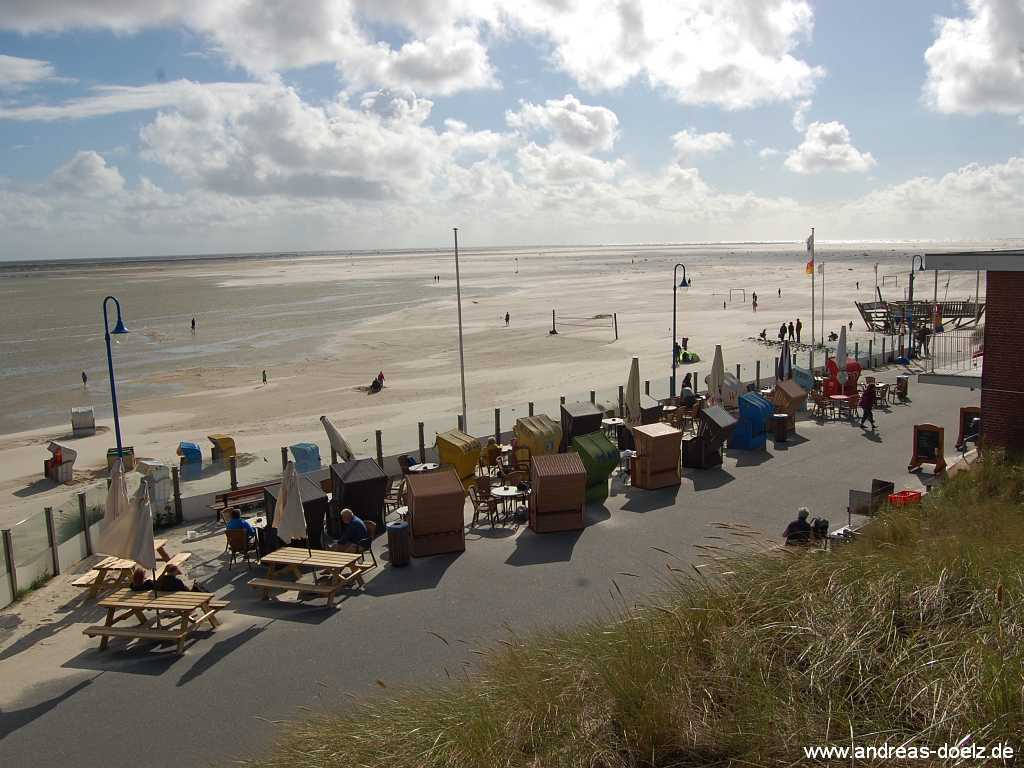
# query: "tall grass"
(911, 635)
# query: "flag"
(810, 266)
(810, 249)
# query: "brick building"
(1002, 375)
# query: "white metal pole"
(813, 267)
(462, 357)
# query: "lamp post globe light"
(119, 328)
(675, 284)
(910, 304)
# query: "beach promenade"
(64, 702)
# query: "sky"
(150, 127)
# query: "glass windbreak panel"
(67, 523)
(29, 539)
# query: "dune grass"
(911, 635)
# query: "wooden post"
(233, 469)
(12, 571)
(554, 332)
(51, 536)
(423, 445)
(871, 354)
(284, 457)
(531, 407)
(615, 319)
(380, 449)
(884, 361)
(176, 481)
(593, 397)
(647, 387)
(459, 423)
(737, 371)
(83, 513)
(757, 374)
(497, 425)
(622, 402)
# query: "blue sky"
(607, 120)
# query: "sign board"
(928, 442)
(968, 414)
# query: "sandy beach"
(323, 325)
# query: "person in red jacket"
(867, 404)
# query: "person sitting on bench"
(798, 531)
(169, 581)
(236, 521)
(354, 536)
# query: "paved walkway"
(122, 708)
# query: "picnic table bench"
(114, 572)
(187, 610)
(340, 569)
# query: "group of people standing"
(790, 330)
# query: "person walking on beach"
(264, 376)
(790, 328)
(780, 293)
(85, 380)
(799, 327)
(782, 333)
(507, 318)
(867, 404)
(193, 326)
(753, 300)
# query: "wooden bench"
(140, 633)
(249, 496)
(326, 590)
(178, 560)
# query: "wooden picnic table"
(187, 610)
(115, 572)
(339, 569)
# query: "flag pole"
(813, 267)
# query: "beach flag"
(810, 249)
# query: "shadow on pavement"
(707, 479)
(148, 658)
(640, 500)
(792, 441)
(748, 458)
(539, 548)
(82, 612)
(219, 650)
(420, 573)
(12, 720)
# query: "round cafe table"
(839, 403)
(427, 466)
(508, 494)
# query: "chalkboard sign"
(928, 439)
(927, 447)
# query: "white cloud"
(579, 126)
(690, 142)
(733, 53)
(827, 147)
(559, 165)
(114, 99)
(17, 73)
(88, 174)
(975, 63)
(800, 115)
(767, 152)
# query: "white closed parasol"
(716, 379)
(632, 394)
(338, 443)
(127, 530)
(841, 356)
(289, 517)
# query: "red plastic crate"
(904, 497)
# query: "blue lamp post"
(675, 284)
(118, 329)
(910, 303)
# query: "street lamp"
(118, 329)
(675, 285)
(910, 303)
(462, 359)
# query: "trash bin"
(398, 542)
(780, 426)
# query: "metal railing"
(956, 350)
